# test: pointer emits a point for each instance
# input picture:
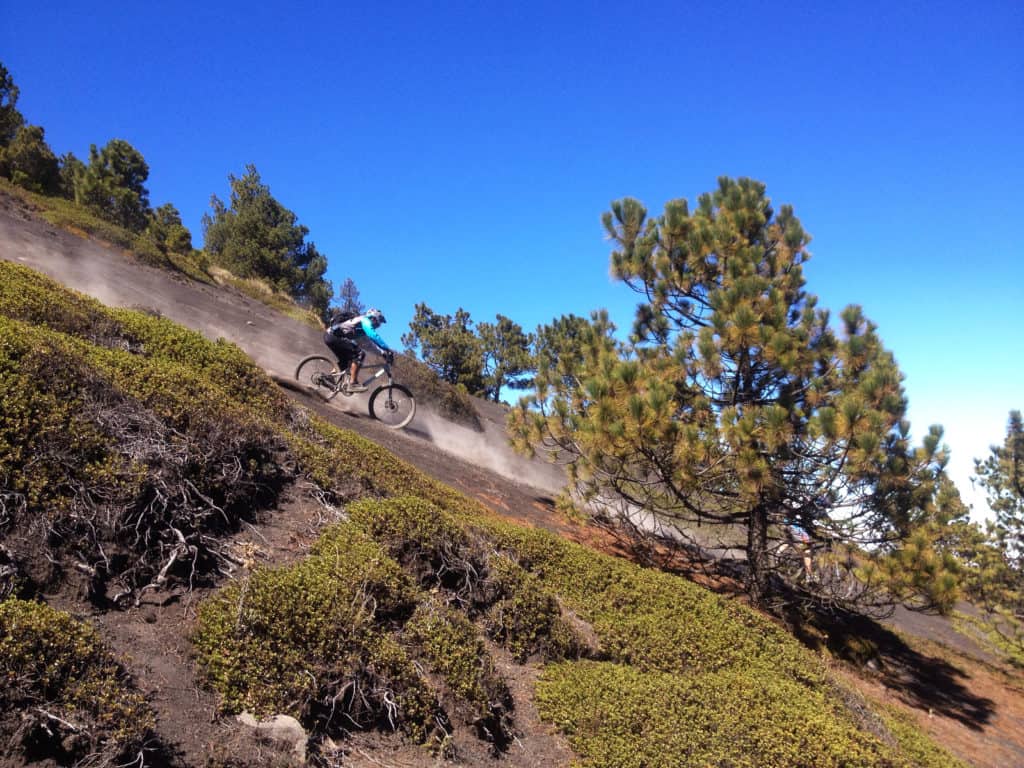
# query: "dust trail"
(490, 449)
(276, 343)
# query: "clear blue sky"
(462, 153)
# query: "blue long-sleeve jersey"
(359, 325)
(371, 333)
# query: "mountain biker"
(800, 543)
(342, 338)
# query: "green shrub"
(454, 650)
(312, 640)
(125, 466)
(617, 715)
(426, 541)
(338, 458)
(48, 448)
(656, 620)
(37, 300)
(63, 696)
(525, 616)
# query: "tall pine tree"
(735, 403)
(448, 345)
(1001, 475)
(114, 184)
(256, 236)
(507, 356)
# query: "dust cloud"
(490, 450)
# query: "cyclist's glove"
(389, 356)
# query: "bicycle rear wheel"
(393, 406)
(315, 372)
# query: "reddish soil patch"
(987, 733)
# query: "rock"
(280, 728)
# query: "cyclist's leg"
(358, 355)
(342, 349)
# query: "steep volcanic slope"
(502, 481)
(276, 343)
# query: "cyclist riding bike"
(342, 338)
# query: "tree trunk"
(757, 556)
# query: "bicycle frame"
(384, 370)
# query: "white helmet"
(376, 316)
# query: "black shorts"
(345, 349)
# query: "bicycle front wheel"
(393, 406)
(315, 372)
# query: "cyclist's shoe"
(355, 387)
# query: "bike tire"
(393, 406)
(312, 371)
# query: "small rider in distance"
(344, 330)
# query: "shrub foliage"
(63, 694)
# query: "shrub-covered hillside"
(131, 448)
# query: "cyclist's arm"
(372, 335)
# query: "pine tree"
(448, 345)
(166, 229)
(559, 350)
(1001, 475)
(508, 360)
(10, 118)
(29, 162)
(113, 185)
(735, 403)
(348, 295)
(72, 170)
(992, 559)
(315, 289)
(256, 236)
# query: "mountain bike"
(391, 404)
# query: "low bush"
(312, 640)
(37, 300)
(524, 615)
(618, 715)
(40, 301)
(675, 653)
(655, 620)
(453, 649)
(428, 542)
(127, 469)
(63, 695)
(445, 553)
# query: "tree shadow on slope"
(919, 679)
